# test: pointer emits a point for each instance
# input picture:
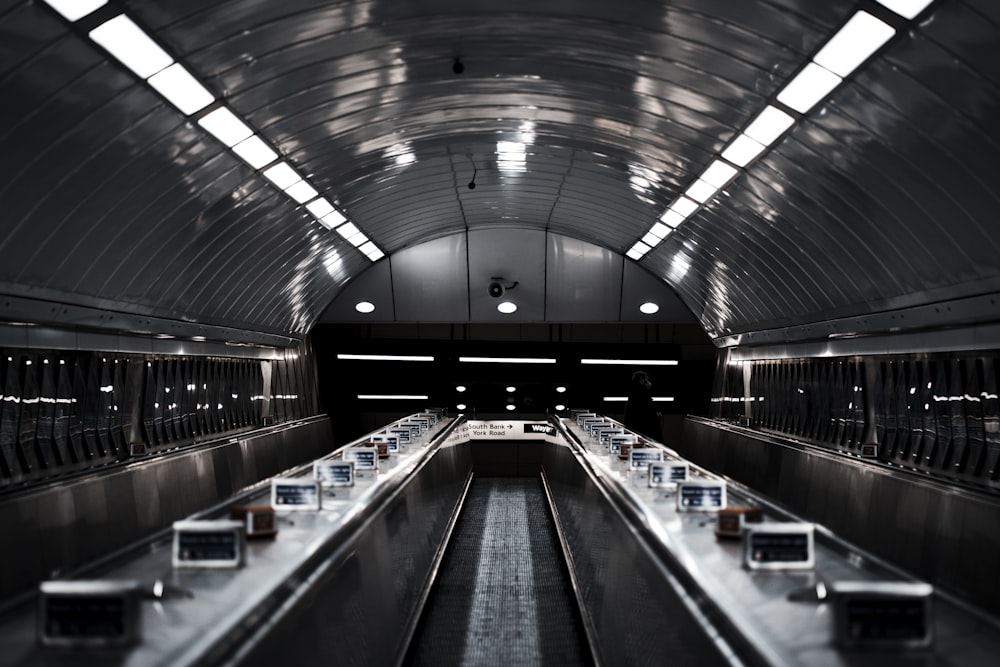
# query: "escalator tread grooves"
(502, 595)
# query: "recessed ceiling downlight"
(507, 307)
(649, 308)
(364, 306)
(460, 406)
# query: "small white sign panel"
(701, 496)
(334, 473)
(295, 493)
(779, 546)
(885, 615)
(209, 544)
(88, 614)
(616, 441)
(364, 458)
(639, 458)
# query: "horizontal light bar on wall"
(136, 50)
(383, 357)
(623, 399)
(392, 397)
(630, 362)
(506, 360)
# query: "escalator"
(503, 595)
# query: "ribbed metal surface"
(883, 197)
(502, 595)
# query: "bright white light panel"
(129, 43)
(840, 56)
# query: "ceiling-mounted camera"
(498, 287)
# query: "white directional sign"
(512, 429)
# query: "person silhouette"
(639, 413)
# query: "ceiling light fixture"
(561, 390)
(74, 10)
(364, 307)
(255, 152)
(507, 307)
(860, 37)
(649, 308)
(226, 127)
(908, 9)
(181, 89)
(808, 87)
(460, 388)
(127, 42)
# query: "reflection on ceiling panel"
(760, 159)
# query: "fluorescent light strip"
(663, 399)
(811, 85)
(506, 360)
(908, 9)
(769, 124)
(301, 192)
(74, 10)
(630, 362)
(684, 207)
(282, 175)
(181, 89)
(743, 150)
(372, 251)
(701, 191)
(127, 42)
(719, 173)
(651, 239)
(615, 399)
(383, 357)
(392, 397)
(225, 126)
(860, 37)
(331, 221)
(255, 152)
(320, 208)
(661, 230)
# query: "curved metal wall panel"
(580, 119)
(883, 199)
(111, 199)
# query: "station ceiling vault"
(581, 124)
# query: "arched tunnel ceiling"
(883, 196)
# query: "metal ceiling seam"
(704, 237)
(175, 201)
(776, 175)
(82, 167)
(889, 177)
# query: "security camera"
(496, 289)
